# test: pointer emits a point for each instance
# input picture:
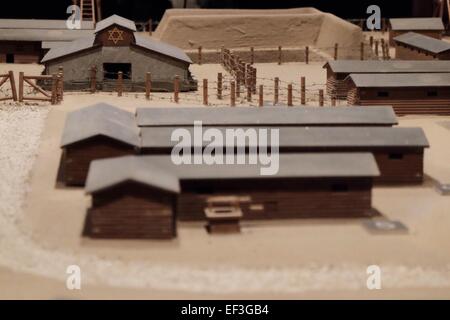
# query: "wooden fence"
(4, 79)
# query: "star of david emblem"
(115, 35)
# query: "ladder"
(88, 10)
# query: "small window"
(395, 156)
(339, 187)
(111, 70)
(10, 58)
(383, 94)
(432, 93)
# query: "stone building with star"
(115, 46)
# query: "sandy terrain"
(41, 226)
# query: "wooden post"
(249, 93)
(303, 91)
(333, 100)
(261, 95)
(119, 83)
(376, 48)
(321, 97)
(276, 91)
(61, 83)
(289, 97)
(388, 54)
(253, 72)
(362, 51)
(307, 55)
(233, 94)
(148, 85)
(371, 41)
(176, 88)
(200, 55)
(238, 86)
(93, 79)
(205, 92)
(252, 55)
(336, 47)
(13, 85)
(59, 88)
(20, 86)
(219, 86)
(279, 55)
(54, 89)
(150, 23)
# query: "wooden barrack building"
(415, 46)
(426, 93)
(432, 27)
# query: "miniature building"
(131, 200)
(399, 152)
(426, 93)
(415, 46)
(306, 186)
(432, 27)
(114, 47)
(270, 116)
(223, 214)
(338, 71)
(96, 132)
(27, 41)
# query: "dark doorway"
(9, 58)
(111, 70)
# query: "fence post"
(119, 83)
(205, 92)
(376, 48)
(336, 46)
(54, 89)
(253, 72)
(59, 88)
(93, 79)
(176, 88)
(20, 86)
(321, 97)
(303, 91)
(307, 55)
(276, 91)
(61, 85)
(150, 23)
(232, 94)
(13, 85)
(148, 85)
(279, 54)
(249, 93)
(362, 51)
(261, 95)
(289, 97)
(200, 55)
(371, 41)
(333, 100)
(219, 86)
(238, 86)
(388, 54)
(252, 55)
(383, 52)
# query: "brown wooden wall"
(280, 199)
(78, 157)
(23, 51)
(404, 52)
(336, 84)
(131, 210)
(103, 37)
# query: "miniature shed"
(426, 93)
(432, 27)
(399, 152)
(338, 71)
(116, 47)
(96, 132)
(306, 186)
(415, 46)
(270, 116)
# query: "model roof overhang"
(388, 66)
(400, 80)
(433, 24)
(298, 137)
(420, 41)
(270, 116)
(160, 172)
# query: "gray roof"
(417, 24)
(67, 48)
(100, 120)
(115, 19)
(314, 137)
(160, 172)
(277, 116)
(389, 66)
(400, 80)
(420, 41)
(161, 47)
(40, 24)
(110, 172)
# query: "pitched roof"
(115, 19)
(67, 48)
(388, 66)
(155, 45)
(100, 120)
(416, 24)
(270, 116)
(107, 173)
(421, 41)
(400, 80)
(314, 137)
(160, 172)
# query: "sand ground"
(41, 226)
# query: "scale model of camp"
(116, 47)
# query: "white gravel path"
(20, 130)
